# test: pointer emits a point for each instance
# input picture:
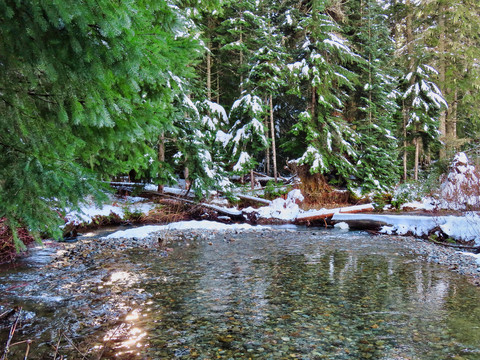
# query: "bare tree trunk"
(452, 119)
(252, 180)
(417, 156)
(442, 68)
(209, 71)
(218, 86)
(455, 114)
(267, 150)
(161, 156)
(186, 174)
(313, 100)
(241, 62)
(405, 119)
(274, 151)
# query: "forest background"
(367, 93)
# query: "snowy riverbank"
(464, 263)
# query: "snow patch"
(145, 231)
(282, 209)
(460, 189)
(243, 159)
(117, 207)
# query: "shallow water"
(271, 295)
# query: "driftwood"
(474, 249)
(254, 198)
(232, 213)
(10, 335)
(329, 213)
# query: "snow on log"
(419, 225)
(464, 228)
(328, 213)
(253, 198)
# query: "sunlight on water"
(277, 295)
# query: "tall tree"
(267, 73)
(247, 134)
(372, 104)
(450, 31)
(84, 89)
(320, 71)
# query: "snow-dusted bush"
(460, 187)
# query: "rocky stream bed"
(269, 294)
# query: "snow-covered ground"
(281, 209)
(118, 206)
(458, 191)
(145, 231)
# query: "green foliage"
(273, 190)
(380, 200)
(84, 89)
(134, 215)
(248, 132)
(400, 199)
(372, 106)
(320, 70)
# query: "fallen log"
(329, 213)
(234, 214)
(254, 198)
(473, 249)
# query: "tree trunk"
(241, 62)
(186, 174)
(252, 180)
(161, 156)
(274, 151)
(218, 86)
(405, 155)
(411, 65)
(209, 71)
(267, 150)
(451, 124)
(455, 114)
(313, 100)
(417, 156)
(442, 68)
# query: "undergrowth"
(12, 242)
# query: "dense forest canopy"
(366, 92)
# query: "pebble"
(461, 262)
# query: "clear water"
(277, 295)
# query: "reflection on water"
(283, 295)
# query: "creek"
(282, 294)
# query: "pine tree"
(372, 106)
(450, 32)
(267, 74)
(85, 90)
(247, 134)
(320, 71)
(425, 101)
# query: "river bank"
(161, 237)
(97, 292)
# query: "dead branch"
(10, 335)
(74, 346)
(475, 249)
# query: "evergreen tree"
(235, 35)
(247, 134)
(267, 74)
(425, 101)
(372, 106)
(450, 31)
(85, 88)
(320, 71)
